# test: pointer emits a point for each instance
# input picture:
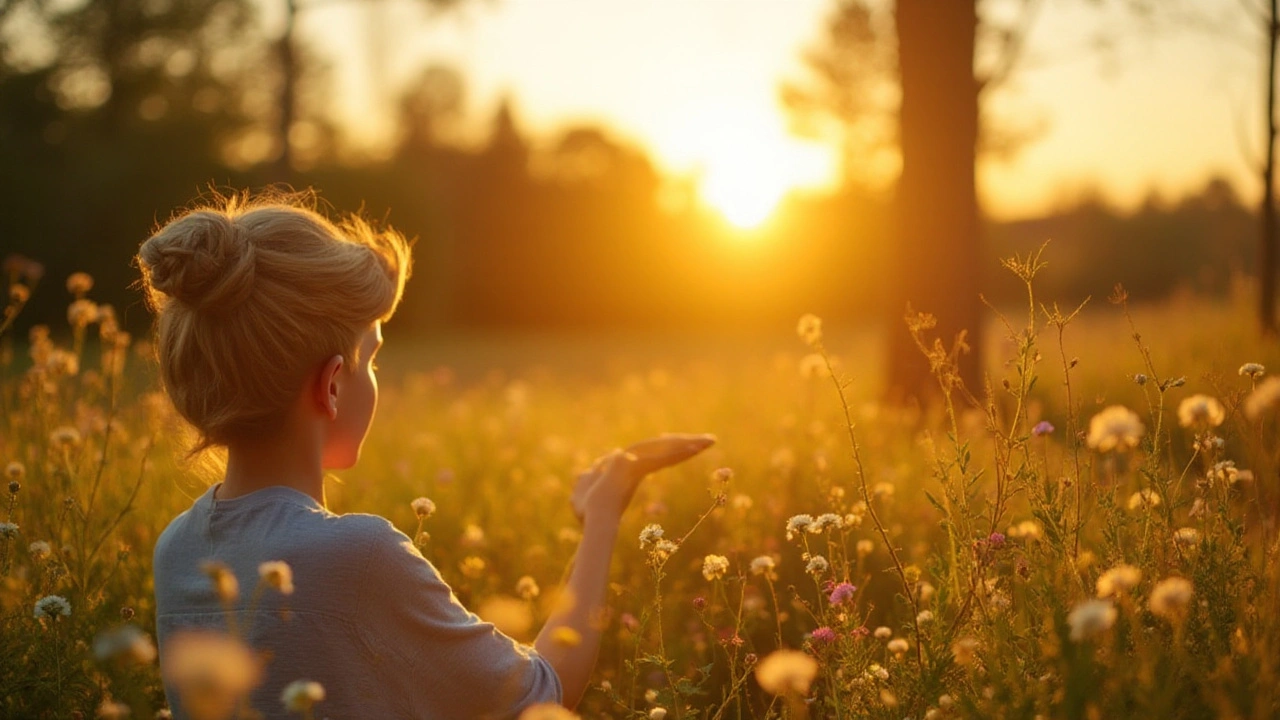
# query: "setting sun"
(744, 195)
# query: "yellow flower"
(714, 566)
(472, 566)
(1115, 428)
(784, 672)
(1200, 411)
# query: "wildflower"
(809, 329)
(53, 607)
(277, 574)
(1253, 370)
(15, 470)
(213, 671)
(714, 566)
(82, 312)
(1265, 397)
(649, 535)
(547, 711)
(1090, 618)
(741, 502)
(664, 549)
(472, 566)
(300, 695)
(874, 670)
(112, 710)
(864, 548)
(1044, 427)
(812, 366)
(8, 530)
(423, 507)
(764, 565)
(79, 283)
(1223, 472)
(882, 489)
(699, 603)
(1146, 498)
(472, 536)
(823, 635)
(925, 616)
(842, 593)
(1188, 536)
(722, 475)
(897, 646)
(1140, 378)
(1118, 580)
(64, 437)
(657, 713)
(817, 565)
(1027, 530)
(1170, 597)
(798, 524)
(1115, 428)
(224, 581)
(1201, 411)
(126, 643)
(784, 672)
(527, 588)
(39, 550)
(883, 633)
(825, 521)
(965, 650)
(651, 696)
(19, 293)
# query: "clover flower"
(1115, 428)
(824, 635)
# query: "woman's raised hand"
(609, 484)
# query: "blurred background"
(686, 166)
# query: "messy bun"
(201, 260)
(252, 294)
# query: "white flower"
(1090, 618)
(798, 524)
(1253, 370)
(764, 565)
(527, 588)
(714, 566)
(1115, 428)
(39, 550)
(423, 507)
(127, 643)
(664, 549)
(897, 646)
(1266, 396)
(8, 530)
(300, 695)
(825, 521)
(657, 713)
(925, 616)
(784, 672)
(1186, 536)
(277, 574)
(52, 606)
(651, 534)
(1119, 579)
(809, 329)
(1170, 596)
(1201, 411)
(817, 565)
(883, 632)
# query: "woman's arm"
(570, 639)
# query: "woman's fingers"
(666, 450)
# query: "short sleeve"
(451, 663)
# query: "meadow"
(1092, 536)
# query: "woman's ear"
(325, 391)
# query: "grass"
(975, 541)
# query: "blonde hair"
(252, 294)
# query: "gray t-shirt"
(370, 619)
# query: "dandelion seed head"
(812, 366)
(826, 521)
(798, 525)
(864, 548)
(657, 713)
(547, 711)
(64, 437)
(53, 607)
(112, 710)
(965, 650)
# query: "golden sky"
(695, 82)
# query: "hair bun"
(202, 260)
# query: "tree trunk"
(288, 80)
(1267, 242)
(937, 261)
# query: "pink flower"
(824, 635)
(842, 593)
